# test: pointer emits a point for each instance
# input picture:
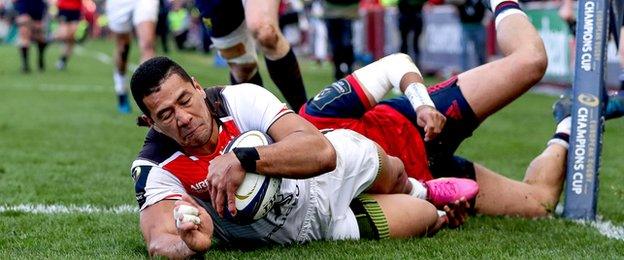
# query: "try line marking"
(604, 227)
(68, 209)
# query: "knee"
(396, 180)
(266, 34)
(540, 204)
(536, 62)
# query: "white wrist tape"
(379, 77)
(184, 213)
(397, 65)
(418, 96)
(559, 142)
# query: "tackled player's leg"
(491, 86)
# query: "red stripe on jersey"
(193, 173)
(357, 86)
(442, 85)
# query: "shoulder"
(247, 95)
(157, 147)
(245, 89)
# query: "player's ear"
(144, 120)
(196, 84)
(198, 87)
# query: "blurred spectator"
(204, 31)
(410, 21)
(69, 15)
(162, 25)
(293, 23)
(8, 31)
(90, 15)
(179, 22)
(339, 15)
(471, 15)
(318, 32)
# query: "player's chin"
(198, 138)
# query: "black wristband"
(247, 157)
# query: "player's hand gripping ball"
(256, 195)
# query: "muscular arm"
(398, 70)
(300, 150)
(379, 77)
(159, 231)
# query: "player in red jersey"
(466, 100)
(69, 16)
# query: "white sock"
(503, 14)
(120, 83)
(562, 134)
(565, 126)
(418, 189)
(495, 3)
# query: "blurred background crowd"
(443, 38)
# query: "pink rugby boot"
(443, 191)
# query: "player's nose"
(183, 118)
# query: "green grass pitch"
(62, 142)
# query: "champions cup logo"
(588, 99)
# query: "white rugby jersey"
(162, 171)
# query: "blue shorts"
(36, 9)
(221, 16)
(68, 15)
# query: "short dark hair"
(150, 75)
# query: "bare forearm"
(300, 155)
(409, 78)
(170, 246)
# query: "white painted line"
(68, 209)
(101, 56)
(59, 87)
(605, 228)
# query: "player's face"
(179, 111)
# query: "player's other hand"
(225, 174)
(455, 215)
(457, 212)
(193, 223)
(431, 120)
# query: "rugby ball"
(256, 194)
